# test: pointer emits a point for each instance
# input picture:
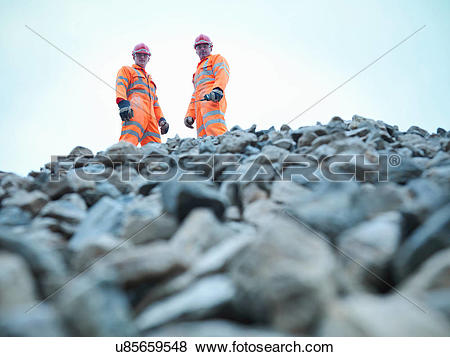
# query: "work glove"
(188, 121)
(215, 95)
(164, 125)
(125, 111)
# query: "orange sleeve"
(122, 82)
(158, 112)
(191, 109)
(221, 72)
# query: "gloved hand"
(216, 95)
(164, 125)
(125, 111)
(188, 121)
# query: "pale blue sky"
(283, 56)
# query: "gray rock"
(102, 189)
(261, 211)
(43, 321)
(206, 146)
(52, 224)
(154, 149)
(179, 198)
(426, 240)
(430, 285)
(306, 139)
(358, 132)
(28, 201)
(331, 212)
(12, 182)
(418, 131)
(145, 221)
(380, 316)
(368, 247)
(104, 217)
(285, 277)
(149, 263)
(427, 197)
(286, 144)
(232, 213)
(73, 182)
(439, 175)
(199, 231)
(218, 258)
(274, 153)
(46, 264)
(252, 192)
(336, 123)
(80, 151)
(72, 209)
(123, 152)
(96, 250)
(213, 328)
(144, 230)
(205, 298)
(285, 192)
(236, 142)
(406, 171)
(14, 216)
(93, 306)
(16, 283)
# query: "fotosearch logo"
(228, 167)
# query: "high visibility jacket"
(212, 72)
(136, 86)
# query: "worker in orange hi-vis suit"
(208, 103)
(136, 97)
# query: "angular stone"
(80, 151)
(123, 152)
(179, 198)
(43, 321)
(97, 249)
(261, 211)
(429, 238)
(284, 277)
(104, 217)
(150, 263)
(214, 328)
(71, 210)
(285, 192)
(46, 264)
(371, 244)
(251, 192)
(14, 216)
(199, 231)
(306, 139)
(17, 287)
(286, 144)
(102, 189)
(28, 201)
(358, 132)
(418, 131)
(203, 299)
(93, 306)
(381, 316)
(236, 142)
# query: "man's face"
(141, 59)
(203, 50)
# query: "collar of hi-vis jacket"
(135, 66)
(204, 59)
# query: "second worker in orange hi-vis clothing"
(138, 104)
(208, 103)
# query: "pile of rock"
(207, 237)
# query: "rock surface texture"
(340, 229)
